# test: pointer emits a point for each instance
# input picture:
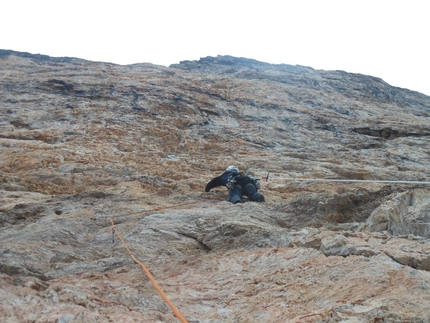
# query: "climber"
(238, 184)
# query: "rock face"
(86, 142)
(404, 213)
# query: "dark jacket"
(224, 178)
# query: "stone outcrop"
(86, 142)
(404, 213)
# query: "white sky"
(383, 38)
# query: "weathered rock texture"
(84, 141)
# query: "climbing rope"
(346, 180)
(145, 269)
(149, 275)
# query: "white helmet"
(232, 168)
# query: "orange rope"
(151, 278)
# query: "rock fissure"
(388, 133)
(204, 246)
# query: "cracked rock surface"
(83, 143)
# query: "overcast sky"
(383, 38)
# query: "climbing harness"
(231, 182)
(254, 180)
